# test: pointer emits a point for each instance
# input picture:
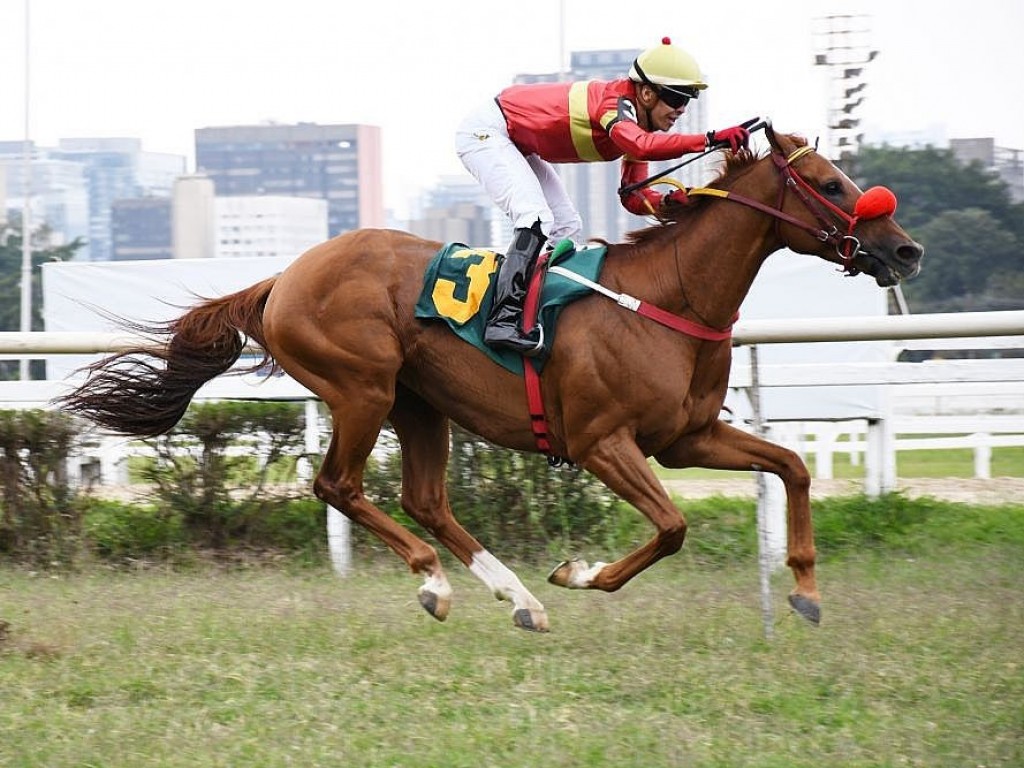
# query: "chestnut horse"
(618, 388)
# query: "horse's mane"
(735, 165)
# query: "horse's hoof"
(806, 607)
(562, 574)
(533, 621)
(574, 574)
(434, 604)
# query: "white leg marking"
(438, 585)
(502, 582)
(582, 575)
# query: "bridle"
(875, 202)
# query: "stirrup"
(539, 346)
(519, 343)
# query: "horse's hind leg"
(423, 434)
(340, 484)
(725, 447)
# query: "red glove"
(642, 202)
(734, 138)
(674, 198)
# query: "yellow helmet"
(667, 65)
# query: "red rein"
(872, 204)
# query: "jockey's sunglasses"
(675, 99)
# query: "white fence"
(978, 434)
(921, 392)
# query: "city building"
(843, 49)
(193, 219)
(115, 169)
(140, 229)
(1007, 163)
(268, 225)
(457, 209)
(196, 224)
(337, 163)
(74, 186)
(57, 193)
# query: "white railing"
(1004, 328)
(978, 434)
(746, 332)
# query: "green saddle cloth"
(458, 289)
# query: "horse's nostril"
(909, 253)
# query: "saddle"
(458, 289)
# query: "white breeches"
(526, 188)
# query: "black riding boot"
(504, 327)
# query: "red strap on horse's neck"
(681, 324)
(534, 400)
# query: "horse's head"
(826, 214)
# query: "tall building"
(140, 229)
(268, 225)
(456, 209)
(593, 186)
(195, 224)
(1007, 163)
(116, 168)
(337, 163)
(56, 190)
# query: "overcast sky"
(158, 69)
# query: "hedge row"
(205, 498)
(205, 494)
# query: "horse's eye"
(833, 188)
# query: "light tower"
(842, 46)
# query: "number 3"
(472, 285)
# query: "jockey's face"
(657, 115)
(663, 115)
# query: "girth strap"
(534, 399)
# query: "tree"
(930, 181)
(968, 255)
(10, 280)
(964, 216)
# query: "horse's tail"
(145, 390)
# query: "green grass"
(919, 661)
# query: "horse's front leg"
(725, 447)
(621, 465)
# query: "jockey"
(510, 143)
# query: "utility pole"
(26, 215)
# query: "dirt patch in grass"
(998, 490)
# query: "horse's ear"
(769, 132)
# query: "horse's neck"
(706, 270)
